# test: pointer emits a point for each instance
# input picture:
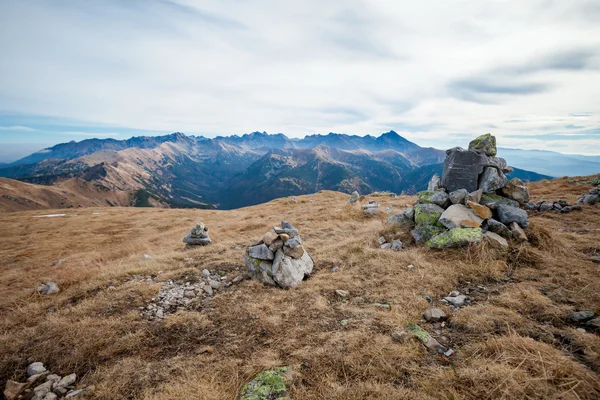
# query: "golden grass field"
(514, 342)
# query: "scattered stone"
(582, 316)
(423, 233)
(458, 196)
(396, 245)
(48, 288)
(354, 197)
(459, 216)
(385, 246)
(457, 237)
(454, 293)
(205, 274)
(517, 233)
(54, 378)
(497, 241)
(74, 393)
(581, 330)
(410, 267)
(335, 269)
(593, 323)
(271, 384)
(147, 257)
(344, 322)
(13, 389)
(60, 391)
(425, 338)
(449, 353)
(434, 315)
(400, 336)
(439, 198)
(481, 211)
(35, 368)
(484, 144)
(198, 236)
(434, 184)
(383, 305)
(499, 228)
(342, 293)
(508, 215)
(67, 380)
(456, 301)
(381, 240)
(43, 389)
(405, 218)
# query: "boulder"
(484, 144)
(582, 316)
(434, 315)
(35, 368)
(405, 218)
(508, 215)
(590, 199)
(516, 190)
(496, 241)
(354, 197)
(492, 201)
(434, 184)
(459, 216)
(475, 196)
(499, 228)
(457, 237)
(427, 214)
(491, 180)
(480, 210)
(422, 233)
(458, 196)
(439, 198)
(462, 169)
(517, 233)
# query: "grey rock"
(459, 216)
(434, 315)
(50, 396)
(491, 180)
(457, 301)
(546, 206)
(354, 197)
(462, 169)
(423, 233)
(405, 218)
(517, 233)
(193, 241)
(499, 228)
(43, 389)
(35, 368)
(260, 252)
(492, 201)
(342, 293)
(74, 393)
(189, 294)
(496, 241)
(458, 196)
(54, 378)
(291, 272)
(67, 380)
(386, 246)
(435, 183)
(582, 316)
(205, 273)
(381, 240)
(454, 293)
(516, 190)
(60, 391)
(475, 196)
(439, 198)
(531, 207)
(507, 215)
(208, 289)
(214, 284)
(590, 199)
(400, 336)
(484, 144)
(396, 245)
(52, 288)
(593, 323)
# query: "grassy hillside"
(514, 341)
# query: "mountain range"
(226, 172)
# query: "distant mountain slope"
(417, 179)
(551, 163)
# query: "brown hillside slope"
(514, 341)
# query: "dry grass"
(515, 341)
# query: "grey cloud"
(487, 92)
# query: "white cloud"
(434, 71)
(16, 128)
(90, 134)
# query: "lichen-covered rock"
(492, 201)
(271, 384)
(458, 196)
(480, 210)
(434, 184)
(425, 338)
(405, 218)
(508, 215)
(457, 237)
(438, 197)
(459, 216)
(427, 214)
(422, 233)
(491, 180)
(484, 144)
(516, 190)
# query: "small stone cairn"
(472, 200)
(198, 236)
(41, 384)
(279, 259)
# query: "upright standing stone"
(354, 197)
(462, 169)
(434, 184)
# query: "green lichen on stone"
(418, 332)
(422, 233)
(484, 144)
(428, 214)
(456, 237)
(424, 196)
(268, 385)
(492, 200)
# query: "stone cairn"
(473, 199)
(198, 236)
(279, 259)
(43, 385)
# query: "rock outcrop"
(474, 196)
(198, 236)
(279, 259)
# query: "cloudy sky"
(438, 72)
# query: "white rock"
(35, 368)
(67, 380)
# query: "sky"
(438, 72)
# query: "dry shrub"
(528, 301)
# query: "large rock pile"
(472, 200)
(198, 236)
(43, 385)
(279, 259)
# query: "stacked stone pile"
(472, 200)
(41, 384)
(591, 197)
(198, 236)
(279, 259)
(558, 206)
(372, 208)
